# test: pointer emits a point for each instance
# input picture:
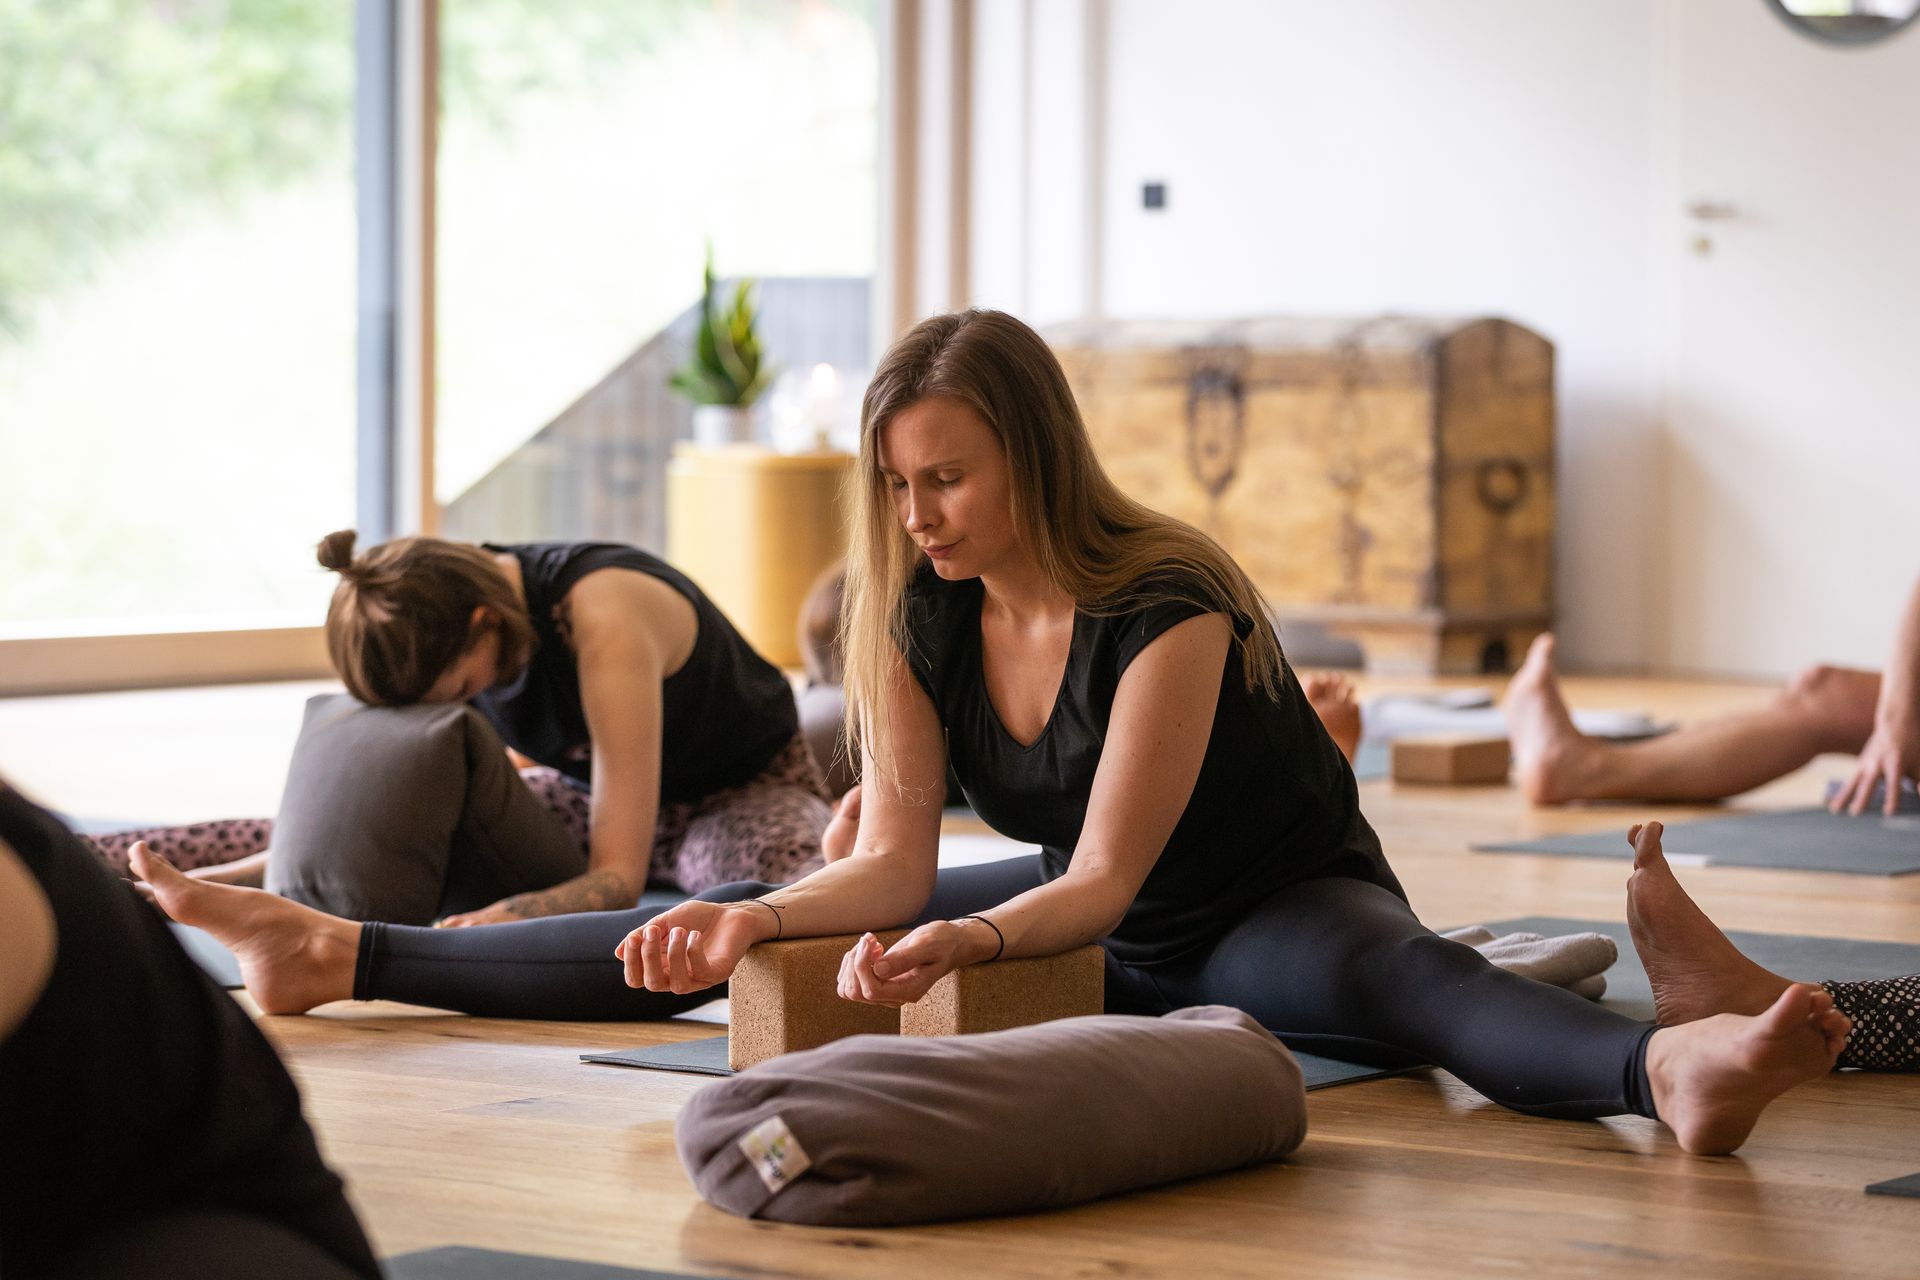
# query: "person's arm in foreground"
(1156, 741)
(1893, 750)
(885, 881)
(27, 940)
(622, 667)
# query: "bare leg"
(1712, 1078)
(292, 958)
(1825, 709)
(1332, 697)
(1695, 971)
(837, 841)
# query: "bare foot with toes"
(1550, 756)
(1695, 971)
(1712, 1078)
(292, 958)
(1332, 698)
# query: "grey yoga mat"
(1790, 839)
(460, 1263)
(1790, 955)
(708, 1057)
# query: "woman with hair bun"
(664, 742)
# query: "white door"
(1790, 244)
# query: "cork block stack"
(783, 998)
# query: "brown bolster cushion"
(886, 1130)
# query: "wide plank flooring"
(455, 1130)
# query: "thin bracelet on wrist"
(779, 921)
(999, 950)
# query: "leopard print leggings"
(766, 829)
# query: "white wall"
(1474, 156)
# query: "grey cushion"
(903, 1129)
(405, 814)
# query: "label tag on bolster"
(774, 1153)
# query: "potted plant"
(725, 372)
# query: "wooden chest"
(1390, 479)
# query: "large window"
(181, 357)
(176, 310)
(589, 153)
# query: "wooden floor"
(469, 1131)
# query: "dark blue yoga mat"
(1803, 959)
(460, 1263)
(708, 1057)
(1791, 839)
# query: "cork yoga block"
(782, 1000)
(1451, 761)
(1390, 479)
(1010, 993)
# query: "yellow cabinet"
(754, 528)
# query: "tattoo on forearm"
(594, 891)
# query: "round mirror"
(1846, 21)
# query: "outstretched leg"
(1825, 709)
(1342, 966)
(294, 958)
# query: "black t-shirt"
(135, 1085)
(725, 714)
(1275, 802)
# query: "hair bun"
(336, 550)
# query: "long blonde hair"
(1094, 543)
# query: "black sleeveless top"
(1275, 802)
(725, 714)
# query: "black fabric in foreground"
(141, 1111)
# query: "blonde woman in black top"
(1106, 685)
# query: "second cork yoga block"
(1010, 993)
(1452, 761)
(781, 999)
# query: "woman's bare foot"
(1712, 1078)
(836, 842)
(291, 957)
(1551, 758)
(1695, 971)
(1332, 697)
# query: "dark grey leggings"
(1334, 966)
